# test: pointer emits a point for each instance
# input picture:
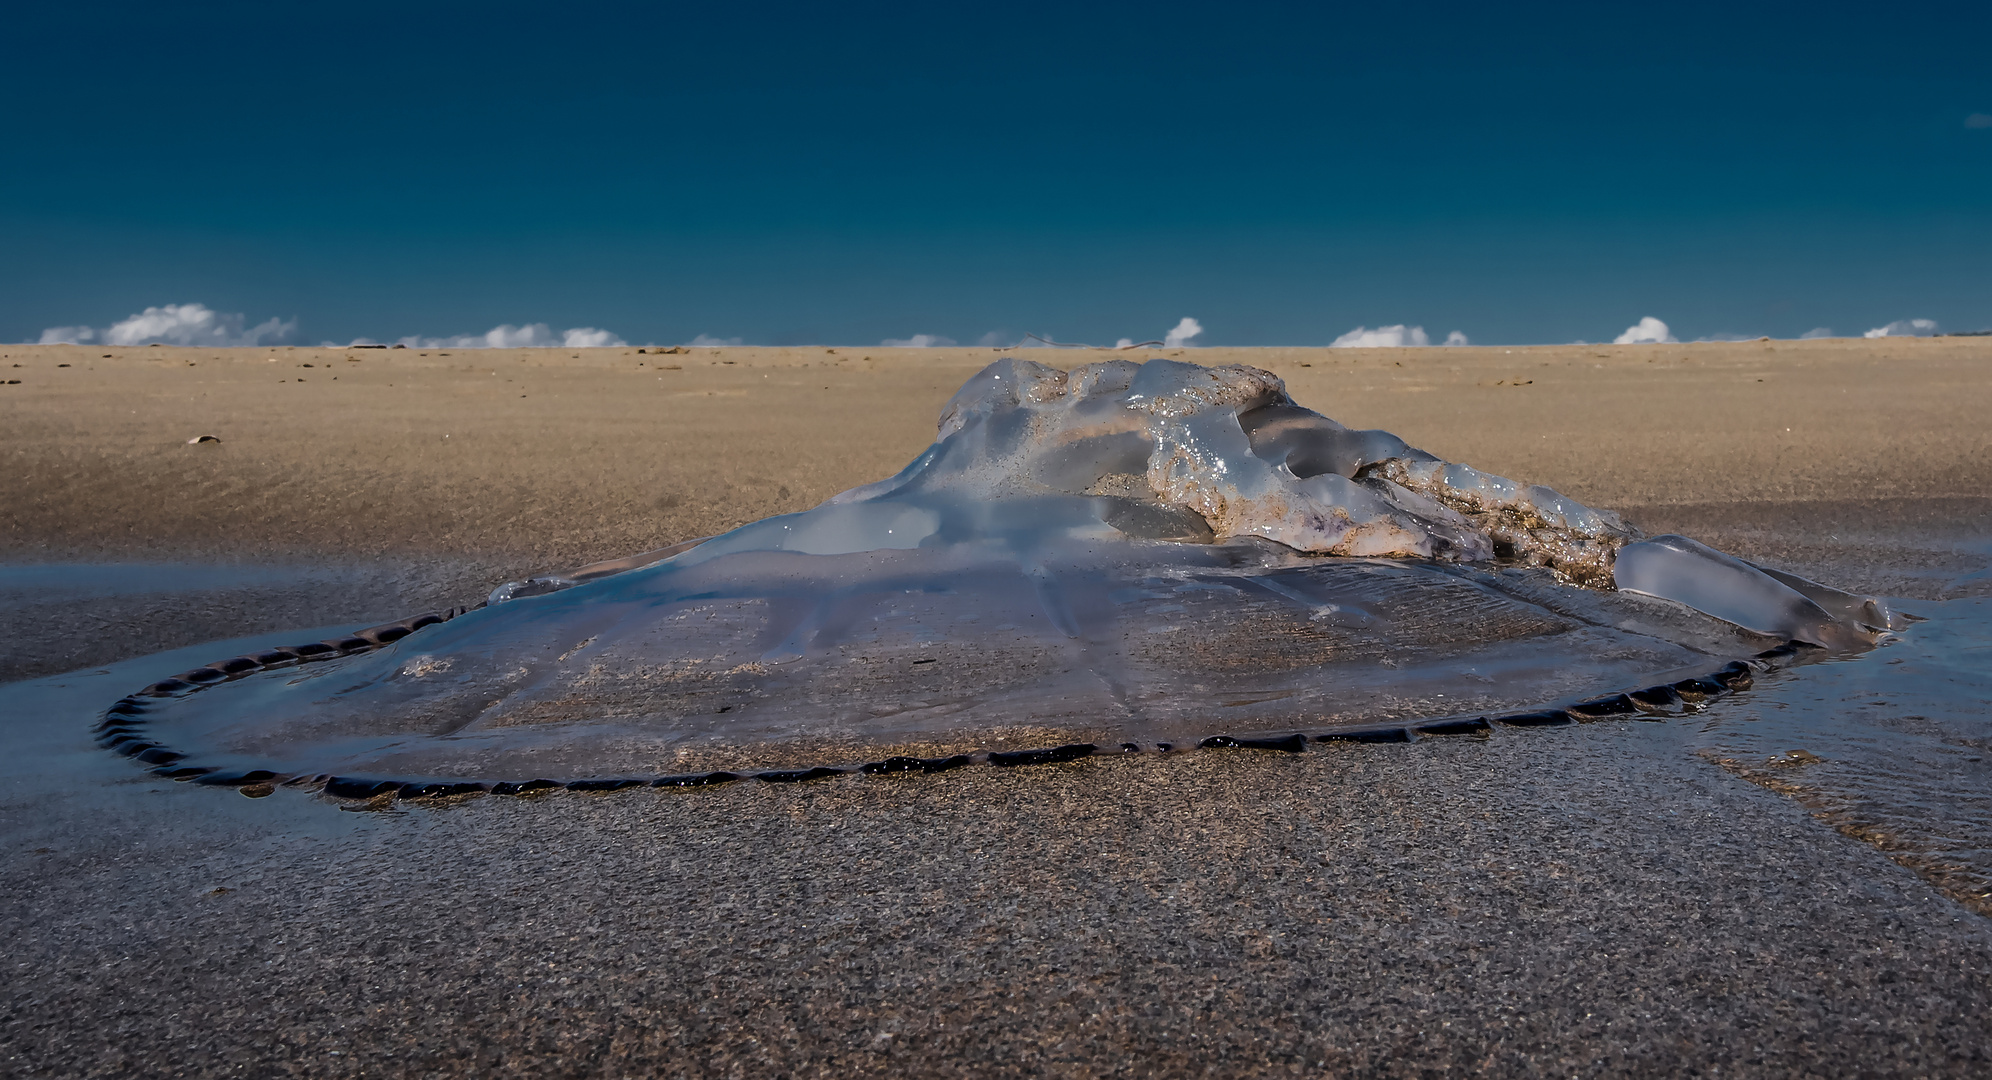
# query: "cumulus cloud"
(502, 336)
(1905, 328)
(507, 336)
(1647, 331)
(587, 337)
(1816, 332)
(919, 341)
(1387, 337)
(1978, 120)
(176, 324)
(1456, 339)
(707, 341)
(1185, 334)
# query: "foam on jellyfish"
(1124, 553)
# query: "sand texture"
(1596, 900)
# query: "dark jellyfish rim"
(121, 729)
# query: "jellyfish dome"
(1120, 557)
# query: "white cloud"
(1456, 339)
(1386, 337)
(1648, 331)
(1904, 328)
(507, 336)
(918, 341)
(1978, 120)
(707, 341)
(176, 324)
(1816, 332)
(1185, 334)
(587, 337)
(1124, 343)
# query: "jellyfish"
(1124, 557)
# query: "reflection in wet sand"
(1893, 748)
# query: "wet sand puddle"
(65, 616)
(1893, 747)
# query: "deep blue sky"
(847, 173)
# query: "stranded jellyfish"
(1124, 557)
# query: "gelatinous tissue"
(1122, 555)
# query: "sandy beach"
(1609, 899)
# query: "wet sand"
(1605, 899)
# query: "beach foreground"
(1610, 898)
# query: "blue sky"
(847, 174)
